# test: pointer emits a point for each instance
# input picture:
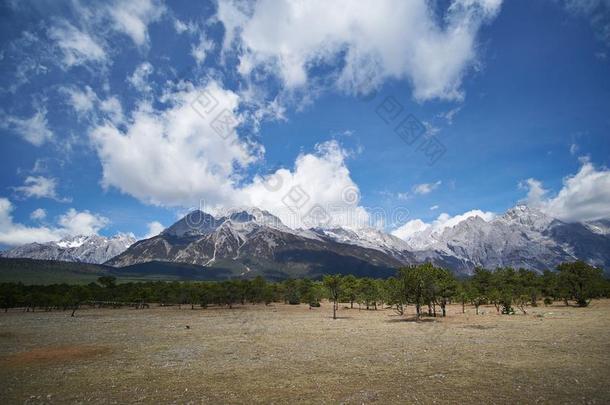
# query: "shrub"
(548, 301)
(507, 308)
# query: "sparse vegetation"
(428, 288)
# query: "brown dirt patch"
(54, 354)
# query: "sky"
(122, 116)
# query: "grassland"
(283, 353)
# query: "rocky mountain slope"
(522, 237)
(254, 241)
(85, 249)
(247, 242)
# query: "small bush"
(314, 304)
(548, 301)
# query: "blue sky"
(99, 133)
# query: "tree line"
(427, 288)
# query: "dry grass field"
(288, 354)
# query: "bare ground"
(283, 353)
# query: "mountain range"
(85, 249)
(248, 242)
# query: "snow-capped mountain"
(254, 240)
(86, 249)
(522, 237)
(251, 241)
(369, 238)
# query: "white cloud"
(410, 228)
(18, 234)
(87, 103)
(35, 129)
(200, 50)
(442, 222)
(139, 78)
(70, 224)
(112, 107)
(132, 17)
(82, 223)
(450, 115)
(38, 214)
(379, 40)
(176, 157)
(181, 27)
(318, 180)
(86, 40)
(426, 188)
(445, 220)
(585, 196)
(154, 228)
(573, 149)
(39, 187)
(82, 101)
(536, 192)
(78, 47)
(434, 208)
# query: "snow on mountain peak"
(80, 248)
(530, 217)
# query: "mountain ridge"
(252, 241)
(94, 249)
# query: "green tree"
(107, 281)
(579, 281)
(445, 287)
(416, 283)
(333, 284)
(349, 289)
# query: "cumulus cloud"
(442, 222)
(34, 130)
(377, 40)
(317, 191)
(81, 222)
(179, 155)
(185, 156)
(536, 193)
(154, 228)
(70, 224)
(16, 234)
(409, 229)
(585, 196)
(39, 187)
